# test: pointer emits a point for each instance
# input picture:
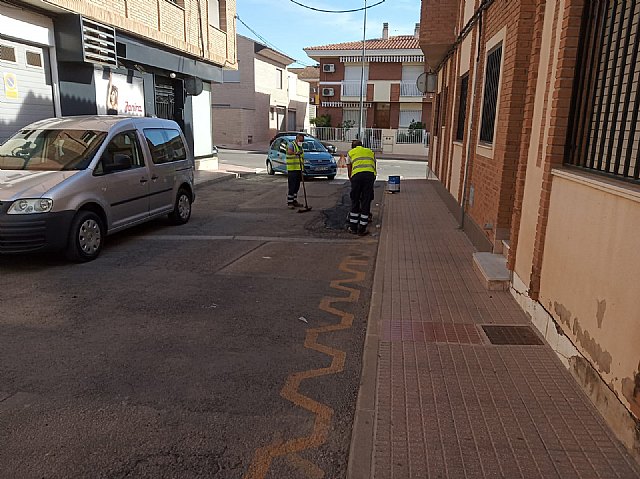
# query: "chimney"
(416, 32)
(385, 31)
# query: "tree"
(321, 121)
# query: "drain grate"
(512, 335)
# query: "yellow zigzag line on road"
(265, 455)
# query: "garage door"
(25, 86)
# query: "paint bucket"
(393, 185)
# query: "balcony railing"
(352, 88)
(409, 88)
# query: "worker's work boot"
(296, 204)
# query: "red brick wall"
(395, 92)
(437, 28)
(338, 75)
(527, 124)
(394, 115)
(370, 92)
(494, 178)
(385, 71)
(560, 104)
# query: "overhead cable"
(337, 11)
(267, 42)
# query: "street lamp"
(364, 36)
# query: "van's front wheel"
(182, 208)
(86, 237)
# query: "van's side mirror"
(117, 162)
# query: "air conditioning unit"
(328, 68)
(327, 92)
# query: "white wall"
(201, 104)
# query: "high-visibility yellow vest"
(293, 162)
(362, 159)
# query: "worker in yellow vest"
(361, 167)
(295, 162)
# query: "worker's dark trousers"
(294, 178)
(361, 198)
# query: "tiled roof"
(307, 73)
(401, 42)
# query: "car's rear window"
(166, 145)
(50, 149)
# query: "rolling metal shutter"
(26, 93)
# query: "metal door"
(26, 93)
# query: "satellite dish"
(426, 82)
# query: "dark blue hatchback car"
(317, 160)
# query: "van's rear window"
(50, 150)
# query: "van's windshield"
(50, 150)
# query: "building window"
(214, 13)
(409, 116)
(34, 59)
(7, 53)
(279, 79)
(490, 98)
(462, 106)
(604, 132)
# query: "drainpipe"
(467, 162)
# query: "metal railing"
(408, 88)
(352, 88)
(327, 133)
(406, 136)
(372, 137)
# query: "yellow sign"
(10, 85)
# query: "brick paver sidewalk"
(448, 403)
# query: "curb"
(217, 179)
(362, 437)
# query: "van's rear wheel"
(270, 170)
(182, 209)
(86, 237)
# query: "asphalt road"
(227, 347)
(255, 161)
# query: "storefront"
(119, 74)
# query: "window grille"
(604, 131)
(462, 107)
(490, 98)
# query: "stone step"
(492, 271)
(506, 246)
(207, 164)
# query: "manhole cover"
(516, 335)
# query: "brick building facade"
(391, 67)
(535, 143)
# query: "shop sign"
(118, 94)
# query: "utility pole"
(364, 36)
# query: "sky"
(289, 28)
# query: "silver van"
(67, 183)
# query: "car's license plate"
(322, 168)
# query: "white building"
(260, 98)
